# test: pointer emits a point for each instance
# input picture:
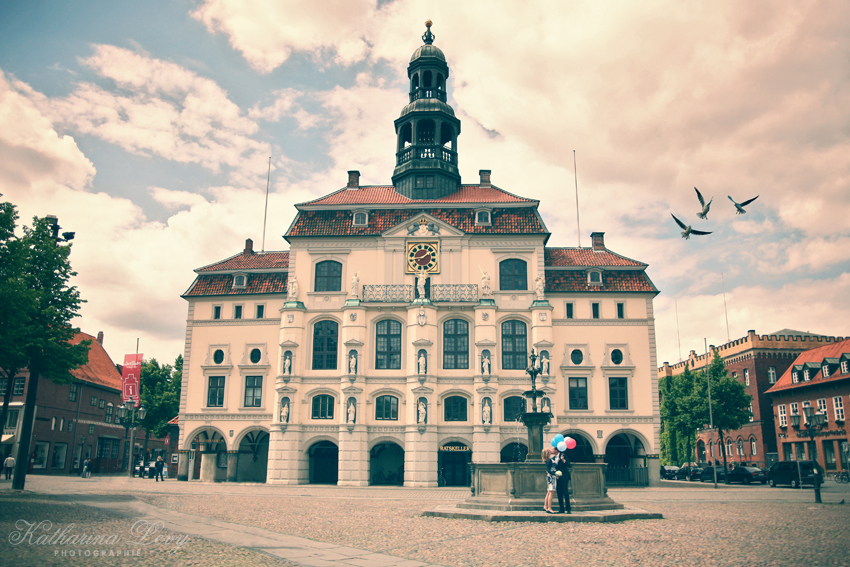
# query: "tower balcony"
(427, 92)
(426, 152)
(405, 293)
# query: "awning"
(8, 439)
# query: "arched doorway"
(624, 450)
(253, 457)
(208, 456)
(386, 464)
(513, 453)
(701, 451)
(324, 463)
(453, 463)
(582, 452)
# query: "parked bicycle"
(840, 476)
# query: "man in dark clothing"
(563, 466)
(158, 466)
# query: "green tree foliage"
(677, 417)
(160, 394)
(37, 308)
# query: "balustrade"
(388, 293)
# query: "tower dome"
(427, 129)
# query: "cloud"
(176, 199)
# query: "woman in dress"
(551, 479)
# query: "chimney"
(353, 179)
(249, 247)
(598, 241)
(485, 177)
(100, 337)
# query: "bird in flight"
(703, 214)
(688, 230)
(740, 206)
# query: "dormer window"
(806, 375)
(845, 367)
(795, 377)
(482, 218)
(826, 370)
(361, 218)
(594, 277)
(239, 281)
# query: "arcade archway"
(453, 463)
(324, 463)
(386, 464)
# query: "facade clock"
(423, 256)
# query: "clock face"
(422, 256)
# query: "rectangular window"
(60, 452)
(570, 314)
(806, 404)
(825, 371)
(115, 445)
(70, 425)
(237, 311)
(595, 308)
(822, 408)
(215, 397)
(829, 454)
(771, 374)
(794, 409)
(838, 408)
(618, 393)
(216, 311)
(807, 375)
(621, 311)
(253, 391)
(455, 408)
(386, 408)
(323, 407)
(456, 344)
(783, 418)
(261, 311)
(4, 383)
(787, 451)
(752, 417)
(746, 376)
(388, 345)
(91, 429)
(94, 400)
(12, 420)
(108, 418)
(72, 395)
(18, 389)
(845, 367)
(101, 403)
(795, 377)
(578, 393)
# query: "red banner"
(131, 378)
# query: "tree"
(160, 395)
(677, 417)
(35, 273)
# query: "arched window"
(425, 133)
(325, 339)
(441, 83)
(512, 275)
(405, 136)
(360, 219)
(386, 408)
(323, 407)
(740, 446)
(446, 136)
(388, 344)
(426, 79)
(753, 446)
(455, 408)
(328, 276)
(455, 344)
(514, 355)
(414, 81)
(513, 406)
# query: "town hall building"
(389, 344)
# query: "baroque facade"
(389, 344)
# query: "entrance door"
(324, 463)
(454, 463)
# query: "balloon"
(559, 438)
(570, 443)
(554, 442)
(562, 446)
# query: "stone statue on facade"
(544, 366)
(539, 284)
(292, 289)
(485, 365)
(351, 412)
(420, 283)
(422, 364)
(352, 364)
(284, 412)
(422, 412)
(287, 366)
(546, 406)
(485, 418)
(485, 283)
(355, 285)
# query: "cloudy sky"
(147, 128)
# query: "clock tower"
(427, 130)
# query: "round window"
(218, 356)
(255, 356)
(576, 356)
(616, 356)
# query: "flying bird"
(740, 206)
(704, 212)
(688, 230)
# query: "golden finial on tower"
(428, 23)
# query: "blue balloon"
(554, 441)
(559, 438)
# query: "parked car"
(707, 474)
(668, 472)
(688, 473)
(793, 473)
(747, 475)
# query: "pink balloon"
(571, 443)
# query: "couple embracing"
(557, 478)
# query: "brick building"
(757, 361)
(819, 378)
(74, 421)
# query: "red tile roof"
(612, 280)
(174, 421)
(250, 261)
(387, 195)
(816, 355)
(566, 257)
(222, 284)
(99, 369)
(521, 220)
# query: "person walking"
(562, 471)
(9, 466)
(551, 479)
(158, 467)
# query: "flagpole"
(266, 209)
(578, 221)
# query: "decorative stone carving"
(422, 317)
(539, 285)
(284, 410)
(292, 289)
(486, 411)
(422, 411)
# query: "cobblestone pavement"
(703, 526)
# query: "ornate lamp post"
(534, 420)
(127, 417)
(814, 423)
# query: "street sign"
(131, 378)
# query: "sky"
(147, 129)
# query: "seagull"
(688, 230)
(740, 206)
(704, 212)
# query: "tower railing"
(454, 292)
(426, 152)
(388, 293)
(427, 92)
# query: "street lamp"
(815, 421)
(127, 417)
